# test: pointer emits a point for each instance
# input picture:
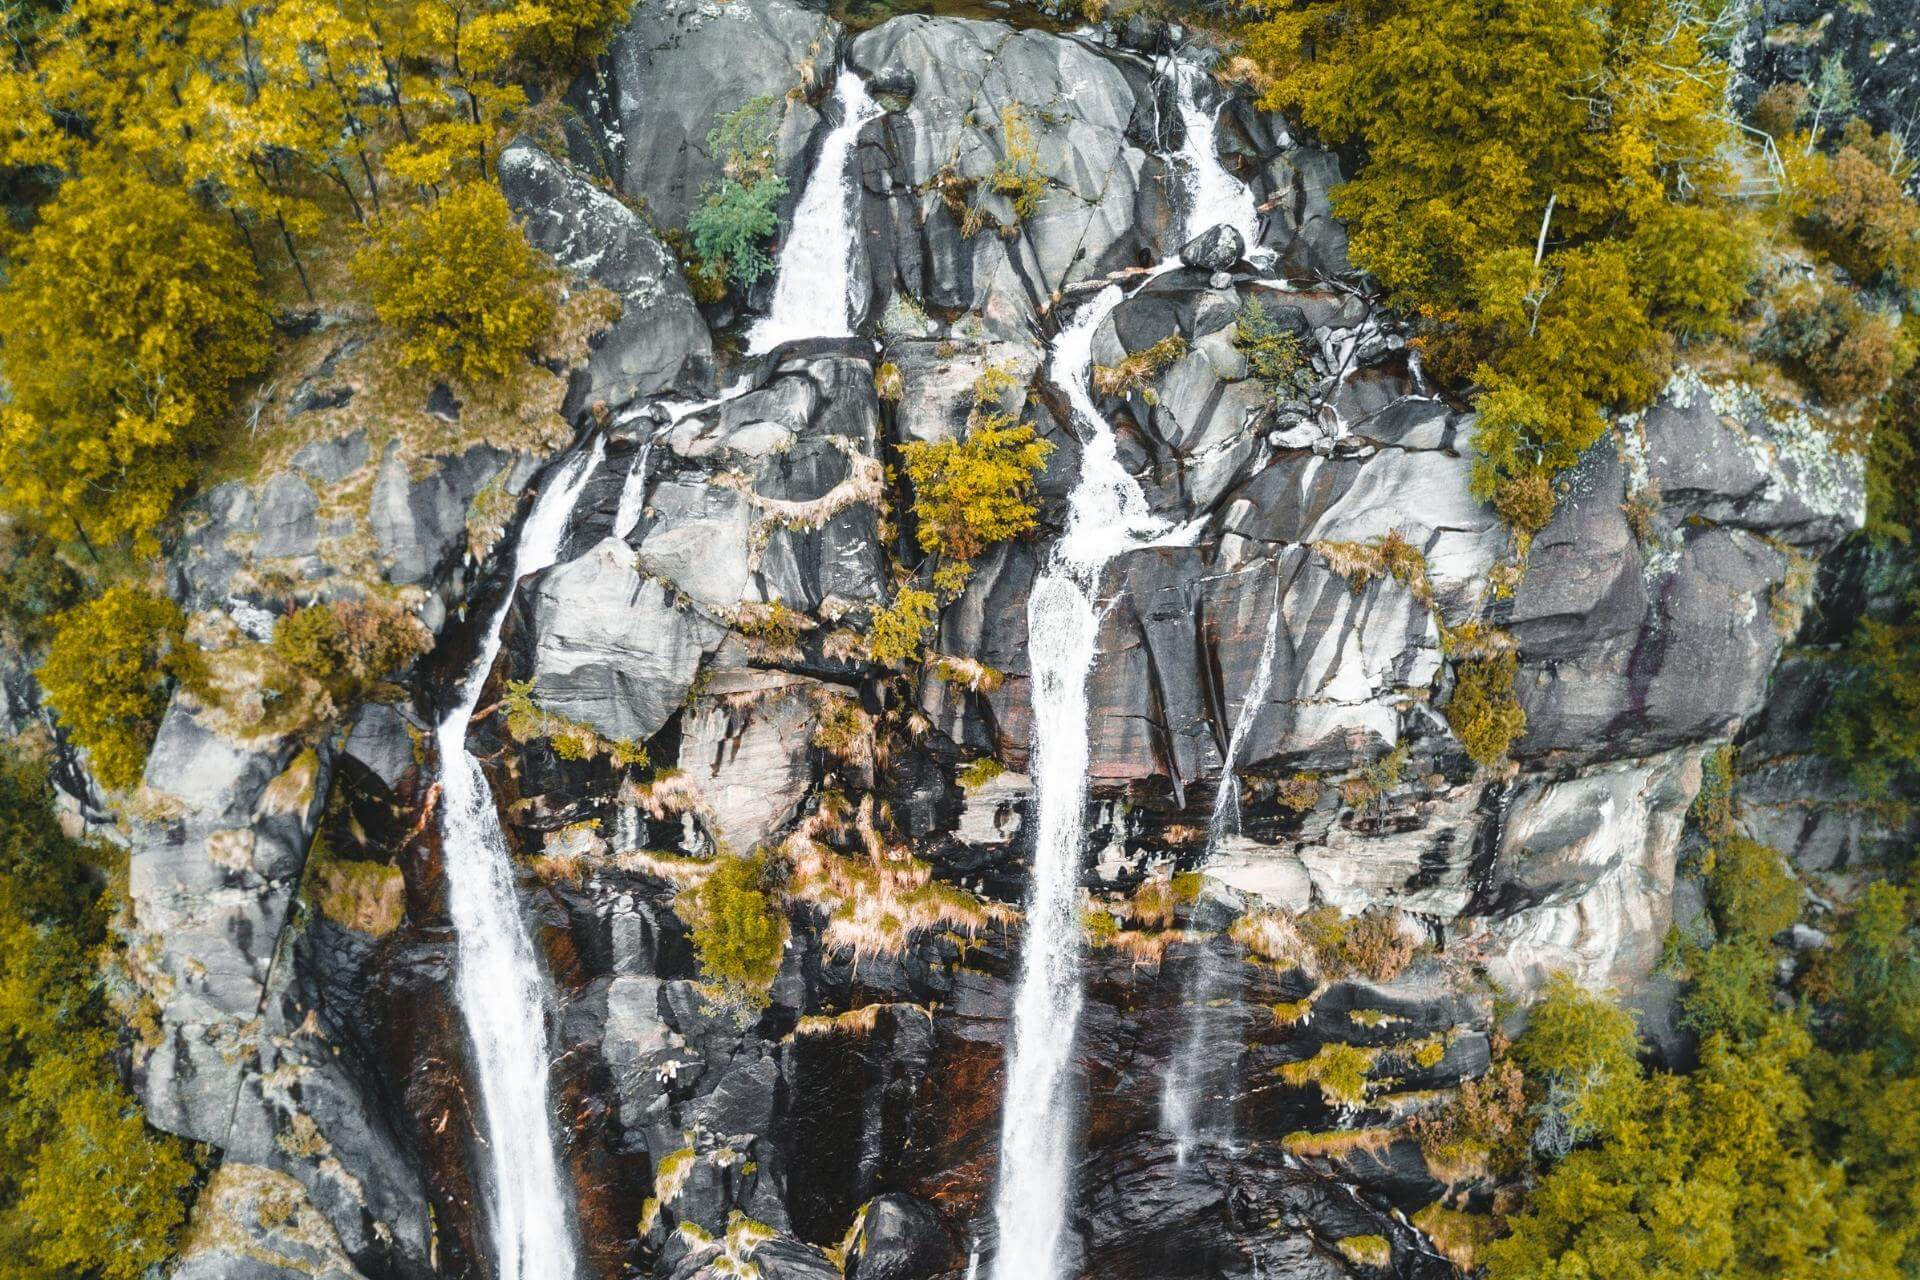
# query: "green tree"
(129, 315)
(459, 283)
(975, 491)
(732, 229)
(106, 677)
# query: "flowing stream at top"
(813, 292)
(1214, 196)
(1107, 515)
(497, 979)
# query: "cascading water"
(1214, 196)
(813, 292)
(1188, 1073)
(1108, 514)
(497, 979)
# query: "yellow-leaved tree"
(1546, 187)
(459, 282)
(129, 315)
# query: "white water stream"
(813, 292)
(1107, 515)
(498, 981)
(1214, 196)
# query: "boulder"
(659, 343)
(901, 1238)
(605, 646)
(1215, 249)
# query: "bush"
(1838, 349)
(739, 930)
(901, 628)
(1017, 173)
(732, 229)
(1750, 889)
(128, 315)
(1273, 353)
(975, 491)
(1873, 721)
(35, 584)
(1732, 988)
(1483, 712)
(459, 283)
(87, 1188)
(106, 677)
(345, 649)
(1864, 222)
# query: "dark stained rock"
(1215, 249)
(901, 1238)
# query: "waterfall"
(1214, 196)
(497, 979)
(1187, 1073)
(813, 292)
(1108, 514)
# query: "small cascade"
(497, 979)
(813, 292)
(633, 491)
(1214, 196)
(1108, 514)
(1189, 1073)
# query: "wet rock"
(676, 70)
(420, 524)
(1215, 249)
(901, 1238)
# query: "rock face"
(694, 677)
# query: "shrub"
(1273, 353)
(1483, 1125)
(1864, 221)
(1340, 1071)
(1017, 173)
(739, 930)
(1841, 351)
(732, 229)
(1750, 889)
(1586, 1044)
(1778, 111)
(1138, 370)
(344, 650)
(127, 316)
(459, 283)
(1524, 499)
(89, 1189)
(1732, 987)
(1367, 1251)
(1378, 946)
(902, 627)
(35, 584)
(1873, 720)
(1483, 712)
(975, 491)
(106, 676)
